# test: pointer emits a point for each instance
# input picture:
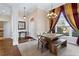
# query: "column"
(15, 25)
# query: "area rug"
(30, 49)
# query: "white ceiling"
(5, 8)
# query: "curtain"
(63, 11)
(53, 21)
(50, 24)
(71, 14)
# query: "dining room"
(39, 29)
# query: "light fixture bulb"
(24, 17)
(49, 17)
(48, 14)
(52, 15)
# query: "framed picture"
(21, 25)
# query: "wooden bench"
(54, 46)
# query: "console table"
(21, 32)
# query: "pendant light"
(24, 17)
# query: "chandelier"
(51, 15)
(24, 16)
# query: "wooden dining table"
(52, 35)
(52, 45)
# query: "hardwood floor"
(7, 49)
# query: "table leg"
(64, 44)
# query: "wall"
(32, 24)
(42, 22)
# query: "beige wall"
(40, 23)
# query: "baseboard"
(4, 38)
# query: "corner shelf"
(1, 29)
(1, 33)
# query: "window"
(75, 34)
(62, 27)
(63, 30)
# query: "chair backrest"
(43, 39)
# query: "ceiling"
(5, 8)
